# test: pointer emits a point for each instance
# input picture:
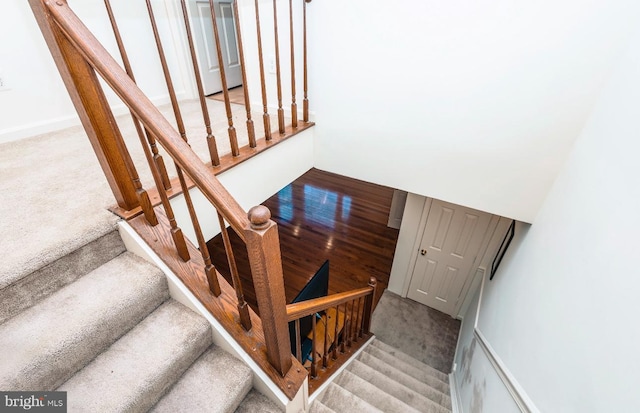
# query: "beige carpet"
(54, 194)
(417, 330)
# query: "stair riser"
(54, 339)
(41, 283)
(141, 366)
(418, 395)
(418, 374)
(377, 396)
(409, 360)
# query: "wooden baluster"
(250, 128)
(355, 323)
(360, 329)
(176, 232)
(344, 330)
(92, 106)
(335, 334)
(265, 113)
(209, 269)
(298, 344)
(314, 372)
(143, 197)
(243, 307)
(356, 303)
(157, 158)
(263, 248)
(368, 306)
(233, 139)
(278, 80)
(294, 105)
(360, 317)
(325, 352)
(165, 71)
(305, 100)
(351, 324)
(211, 140)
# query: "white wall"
(37, 100)
(250, 41)
(251, 182)
(409, 228)
(473, 102)
(561, 311)
(477, 385)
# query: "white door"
(205, 45)
(451, 241)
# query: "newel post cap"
(259, 217)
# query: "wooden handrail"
(148, 114)
(350, 324)
(80, 58)
(308, 307)
(254, 228)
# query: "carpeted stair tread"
(27, 291)
(342, 400)
(142, 365)
(256, 402)
(401, 376)
(420, 371)
(410, 391)
(43, 346)
(377, 396)
(409, 359)
(217, 382)
(318, 407)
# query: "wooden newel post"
(263, 247)
(368, 306)
(92, 106)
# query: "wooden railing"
(346, 325)
(81, 58)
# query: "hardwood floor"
(324, 216)
(236, 95)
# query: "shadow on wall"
(479, 390)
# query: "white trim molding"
(456, 402)
(517, 392)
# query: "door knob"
(423, 252)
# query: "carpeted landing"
(100, 325)
(54, 193)
(420, 331)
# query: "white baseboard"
(38, 128)
(456, 403)
(54, 124)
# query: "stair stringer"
(179, 292)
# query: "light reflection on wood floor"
(324, 216)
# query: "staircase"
(383, 379)
(100, 325)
